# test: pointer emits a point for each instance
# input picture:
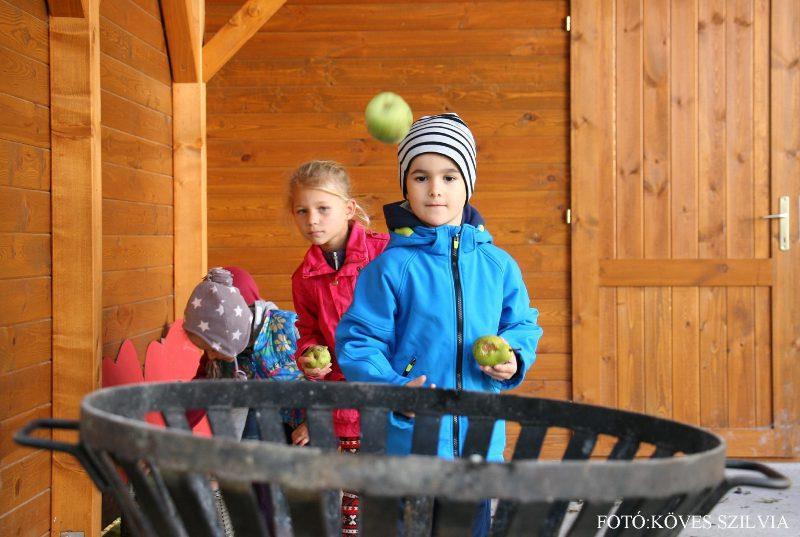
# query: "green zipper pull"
(455, 242)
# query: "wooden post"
(592, 122)
(189, 157)
(189, 162)
(77, 250)
(785, 86)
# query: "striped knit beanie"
(445, 134)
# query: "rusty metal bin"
(173, 473)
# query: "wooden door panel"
(681, 296)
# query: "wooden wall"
(25, 261)
(137, 223)
(136, 120)
(298, 89)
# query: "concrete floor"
(751, 512)
(757, 512)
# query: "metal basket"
(173, 473)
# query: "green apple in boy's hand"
(388, 117)
(491, 351)
(318, 357)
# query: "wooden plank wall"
(692, 180)
(25, 262)
(136, 102)
(297, 91)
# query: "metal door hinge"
(568, 23)
(568, 216)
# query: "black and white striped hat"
(445, 134)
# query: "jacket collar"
(437, 240)
(356, 254)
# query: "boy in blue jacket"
(439, 285)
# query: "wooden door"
(684, 135)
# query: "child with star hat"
(243, 337)
(217, 318)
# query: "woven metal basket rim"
(111, 420)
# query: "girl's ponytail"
(362, 216)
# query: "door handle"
(783, 216)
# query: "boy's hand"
(502, 371)
(416, 383)
(313, 373)
(300, 435)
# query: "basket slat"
(479, 434)
(152, 494)
(373, 430)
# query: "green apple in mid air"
(491, 350)
(319, 357)
(388, 117)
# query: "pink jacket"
(322, 295)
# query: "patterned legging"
(349, 500)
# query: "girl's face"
(201, 344)
(435, 190)
(322, 218)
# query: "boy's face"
(435, 190)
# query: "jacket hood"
(408, 230)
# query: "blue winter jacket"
(406, 307)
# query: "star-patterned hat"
(218, 313)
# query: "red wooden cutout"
(173, 358)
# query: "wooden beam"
(685, 272)
(785, 181)
(236, 32)
(183, 22)
(77, 250)
(592, 135)
(189, 181)
(189, 162)
(66, 8)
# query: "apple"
(404, 231)
(319, 357)
(491, 350)
(388, 117)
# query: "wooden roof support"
(77, 284)
(183, 22)
(189, 189)
(189, 170)
(66, 8)
(236, 32)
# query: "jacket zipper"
(459, 337)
